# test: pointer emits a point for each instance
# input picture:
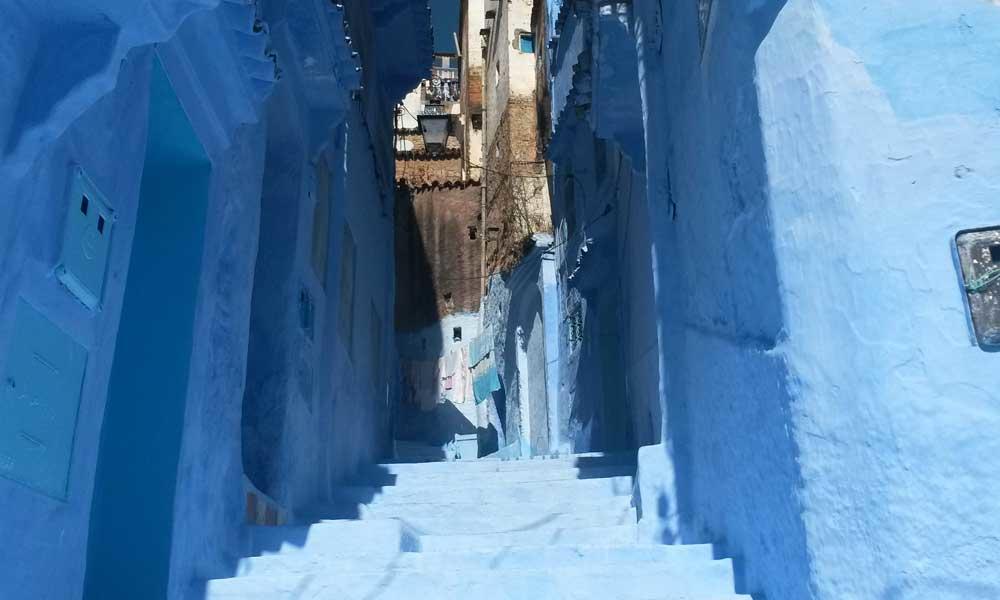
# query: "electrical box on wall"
(86, 241)
(39, 401)
(979, 255)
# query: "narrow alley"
(505, 299)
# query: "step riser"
(689, 581)
(471, 523)
(337, 539)
(502, 510)
(552, 529)
(492, 494)
(494, 477)
(512, 559)
(473, 466)
(596, 536)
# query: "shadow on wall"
(268, 371)
(416, 291)
(728, 424)
(347, 504)
(417, 311)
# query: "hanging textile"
(486, 380)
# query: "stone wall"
(438, 250)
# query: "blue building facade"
(760, 201)
(196, 280)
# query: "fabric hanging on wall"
(480, 346)
(486, 380)
(450, 363)
(463, 380)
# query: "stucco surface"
(827, 417)
(827, 413)
(897, 411)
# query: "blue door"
(132, 513)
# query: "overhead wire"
(608, 209)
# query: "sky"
(445, 17)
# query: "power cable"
(607, 211)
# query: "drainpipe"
(482, 213)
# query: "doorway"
(131, 522)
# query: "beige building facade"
(514, 171)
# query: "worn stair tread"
(549, 529)
(503, 559)
(505, 508)
(567, 472)
(492, 492)
(473, 523)
(496, 464)
(695, 580)
(618, 535)
(377, 537)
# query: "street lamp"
(435, 128)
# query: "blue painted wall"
(898, 107)
(827, 417)
(84, 99)
(516, 309)
(819, 328)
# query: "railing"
(433, 110)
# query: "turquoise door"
(132, 513)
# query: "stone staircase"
(556, 528)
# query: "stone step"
(502, 510)
(502, 559)
(450, 523)
(488, 493)
(594, 459)
(675, 580)
(373, 538)
(618, 535)
(555, 472)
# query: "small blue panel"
(86, 241)
(39, 400)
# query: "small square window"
(84, 204)
(100, 225)
(526, 43)
(456, 334)
(995, 253)
(473, 233)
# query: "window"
(347, 274)
(456, 334)
(526, 43)
(473, 233)
(321, 222)
(995, 253)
